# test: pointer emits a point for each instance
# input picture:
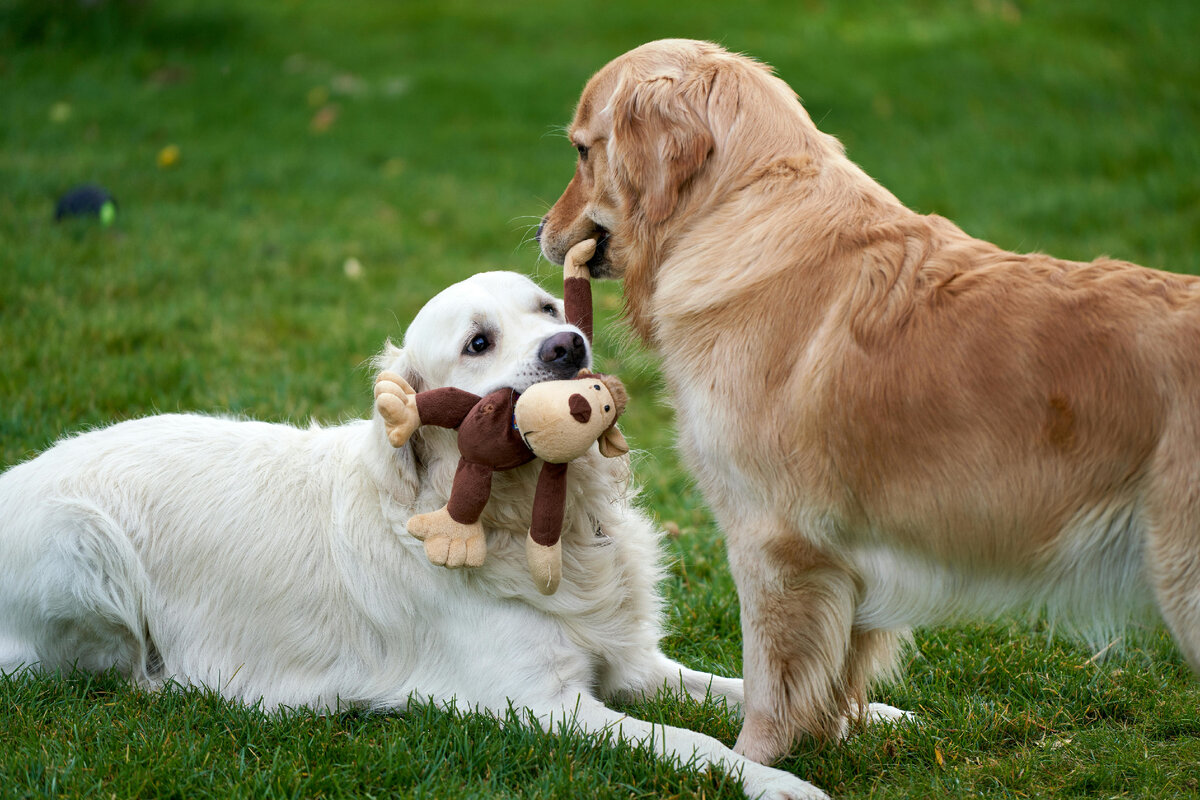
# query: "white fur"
(272, 563)
(1093, 584)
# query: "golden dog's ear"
(660, 138)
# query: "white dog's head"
(490, 331)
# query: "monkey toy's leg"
(543, 547)
(452, 535)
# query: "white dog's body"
(272, 563)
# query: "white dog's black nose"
(565, 350)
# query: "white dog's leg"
(80, 591)
(641, 678)
(551, 680)
(16, 654)
(687, 747)
(94, 590)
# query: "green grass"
(1068, 127)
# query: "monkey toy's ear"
(612, 443)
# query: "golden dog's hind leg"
(797, 607)
(1170, 521)
(1174, 564)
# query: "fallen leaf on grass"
(324, 118)
(168, 156)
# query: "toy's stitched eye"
(607, 409)
(583, 151)
(477, 345)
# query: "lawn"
(295, 178)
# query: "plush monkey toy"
(556, 421)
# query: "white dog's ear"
(661, 137)
(396, 360)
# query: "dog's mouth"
(598, 264)
(532, 375)
(601, 255)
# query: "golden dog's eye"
(583, 151)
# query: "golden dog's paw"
(397, 404)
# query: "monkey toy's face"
(559, 420)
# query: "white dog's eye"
(550, 309)
(477, 345)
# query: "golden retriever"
(894, 423)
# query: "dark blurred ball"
(87, 201)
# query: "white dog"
(272, 563)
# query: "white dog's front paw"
(882, 712)
(876, 713)
(780, 786)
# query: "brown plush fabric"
(446, 407)
(472, 488)
(549, 502)
(577, 297)
(488, 435)
(487, 441)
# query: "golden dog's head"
(640, 134)
(662, 132)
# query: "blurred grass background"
(296, 178)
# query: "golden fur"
(895, 423)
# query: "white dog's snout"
(565, 353)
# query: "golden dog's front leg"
(797, 605)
